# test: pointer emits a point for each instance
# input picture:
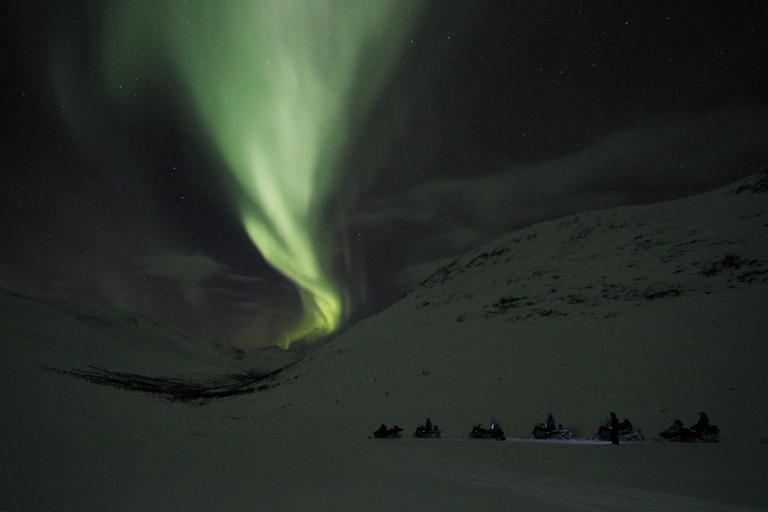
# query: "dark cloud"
(662, 158)
(189, 271)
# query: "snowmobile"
(387, 433)
(495, 432)
(541, 431)
(677, 433)
(626, 433)
(428, 432)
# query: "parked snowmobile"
(677, 433)
(542, 431)
(495, 432)
(627, 433)
(428, 431)
(387, 433)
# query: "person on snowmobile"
(428, 425)
(677, 425)
(702, 425)
(551, 422)
(676, 431)
(625, 426)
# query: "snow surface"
(654, 312)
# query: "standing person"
(614, 429)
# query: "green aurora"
(278, 85)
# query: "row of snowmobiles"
(429, 431)
(425, 431)
(701, 432)
(609, 431)
(496, 433)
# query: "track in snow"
(572, 495)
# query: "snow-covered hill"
(64, 334)
(111, 346)
(654, 312)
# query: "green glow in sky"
(279, 86)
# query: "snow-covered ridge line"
(639, 253)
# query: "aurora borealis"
(355, 144)
(270, 81)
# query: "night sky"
(257, 172)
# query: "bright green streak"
(272, 82)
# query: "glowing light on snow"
(278, 85)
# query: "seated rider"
(676, 430)
(625, 426)
(550, 422)
(428, 425)
(702, 425)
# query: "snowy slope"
(64, 334)
(655, 312)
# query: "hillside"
(64, 334)
(656, 312)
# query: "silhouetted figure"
(387, 433)
(617, 433)
(614, 429)
(678, 432)
(551, 425)
(428, 430)
(701, 432)
(625, 426)
(495, 432)
(702, 425)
